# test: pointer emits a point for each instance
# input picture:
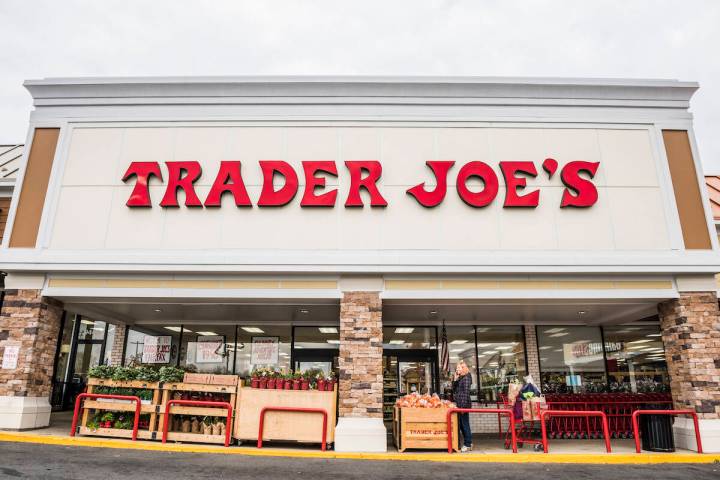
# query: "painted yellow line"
(599, 458)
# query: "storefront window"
(269, 340)
(109, 340)
(405, 338)
(501, 359)
(208, 348)
(461, 346)
(158, 335)
(571, 359)
(635, 359)
(327, 337)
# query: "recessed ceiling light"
(582, 312)
(558, 350)
(457, 350)
(503, 347)
(458, 342)
(177, 329)
(507, 354)
(157, 310)
(396, 342)
(555, 330)
(559, 334)
(207, 333)
(304, 311)
(404, 330)
(654, 335)
(543, 359)
(483, 345)
(582, 341)
(545, 347)
(433, 312)
(333, 341)
(86, 322)
(490, 352)
(283, 354)
(253, 329)
(482, 329)
(644, 340)
(328, 330)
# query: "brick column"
(116, 352)
(32, 323)
(531, 347)
(691, 336)
(360, 427)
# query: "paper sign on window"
(209, 349)
(156, 349)
(264, 351)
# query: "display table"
(424, 428)
(292, 426)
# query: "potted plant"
(330, 381)
(255, 379)
(271, 380)
(107, 419)
(262, 382)
(289, 381)
(305, 381)
(320, 381)
(296, 380)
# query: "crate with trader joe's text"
(423, 428)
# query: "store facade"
(548, 227)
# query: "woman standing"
(461, 395)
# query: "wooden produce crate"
(150, 407)
(291, 426)
(424, 428)
(168, 390)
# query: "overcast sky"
(625, 38)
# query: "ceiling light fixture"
(555, 330)
(483, 345)
(209, 334)
(458, 342)
(157, 310)
(328, 329)
(177, 329)
(397, 342)
(304, 311)
(253, 329)
(404, 330)
(335, 342)
(433, 312)
(582, 312)
(559, 334)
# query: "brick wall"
(33, 322)
(116, 352)
(531, 347)
(691, 334)
(360, 362)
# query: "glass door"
(407, 371)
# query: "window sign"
(209, 349)
(10, 357)
(156, 349)
(264, 351)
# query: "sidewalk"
(487, 449)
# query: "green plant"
(147, 374)
(123, 374)
(171, 374)
(107, 417)
(313, 374)
(101, 371)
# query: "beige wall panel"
(625, 217)
(638, 221)
(627, 158)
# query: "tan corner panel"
(687, 191)
(34, 188)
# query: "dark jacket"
(461, 391)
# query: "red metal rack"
(636, 427)
(498, 411)
(198, 403)
(82, 396)
(568, 413)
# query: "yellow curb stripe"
(618, 458)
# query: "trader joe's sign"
(364, 176)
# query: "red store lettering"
(576, 176)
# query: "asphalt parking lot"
(27, 460)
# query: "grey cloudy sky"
(623, 38)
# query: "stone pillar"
(116, 352)
(691, 336)
(360, 427)
(533, 358)
(31, 323)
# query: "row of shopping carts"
(618, 407)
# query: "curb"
(599, 458)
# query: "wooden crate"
(424, 428)
(167, 394)
(120, 406)
(292, 426)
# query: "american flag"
(444, 353)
